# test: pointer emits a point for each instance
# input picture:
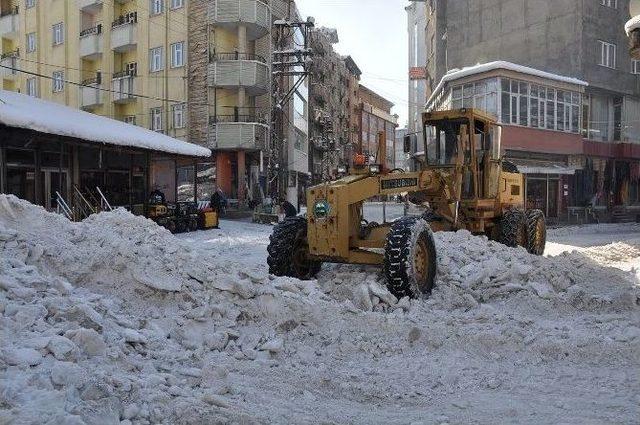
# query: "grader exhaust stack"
(463, 182)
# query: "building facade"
(125, 60)
(416, 28)
(229, 87)
(375, 117)
(581, 40)
(333, 95)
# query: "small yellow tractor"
(463, 182)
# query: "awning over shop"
(546, 169)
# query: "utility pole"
(289, 70)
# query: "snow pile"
(114, 320)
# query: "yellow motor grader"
(463, 181)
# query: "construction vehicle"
(463, 181)
(177, 218)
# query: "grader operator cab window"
(442, 141)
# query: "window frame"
(176, 4)
(57, 84)
(28, 4)
(31, 42)
(152, 56)
(607, 60)
(174, 51)
(156, 120)
(31, 83)
(58, 30)
(178, 110)
(156, 7)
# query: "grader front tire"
(410, 258)
(536, 232)
(288, 250)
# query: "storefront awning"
(546, 169)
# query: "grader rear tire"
(513, 229)
(410, 258)
(536, 232)
(288, 250)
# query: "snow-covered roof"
(18, 110)
(456, 74)
(632, 24)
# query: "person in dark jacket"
(288, 208)
(217, 201)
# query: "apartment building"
(333, 104)
(584, 41)
(121, 59)
(229, 86)
(375, 117)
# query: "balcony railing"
(123, 32)
(238, 135)
(249, 118)
(122, 86)
(235, 56)
(9, 62)
(91, 42)
(91, 94)
(249, 74)
(254, 14)
(9, 24)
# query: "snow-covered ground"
(114, 319)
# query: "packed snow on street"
(113, 320)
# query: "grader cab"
(463, 182)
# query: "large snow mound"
(115, 320)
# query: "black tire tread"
(281, 245)
(509, 227)
(396, 254)
(533, 216)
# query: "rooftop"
(22, 111)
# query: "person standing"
(288, 208)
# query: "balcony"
(122, 86)
(9, 24)
(123, 33)
(90, 6)
(10, 60)
(237, 133)
(233, 70)
(91, 43)
(91, 93)
(254, 14)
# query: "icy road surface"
(116, 321)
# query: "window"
(178, 116)
(635, 66)
(130, 119)
(31, 87)
(537, 106)
(156, 119)
(177, 4)
(31, 42)
(58, 34)
(177, 54)
(609, 3)
(58, 81)
(481, 95)
(607, 54)
(29, 3)
(156, 7)
(156, 59)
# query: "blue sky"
(374, 33)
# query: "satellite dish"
(634, 7)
